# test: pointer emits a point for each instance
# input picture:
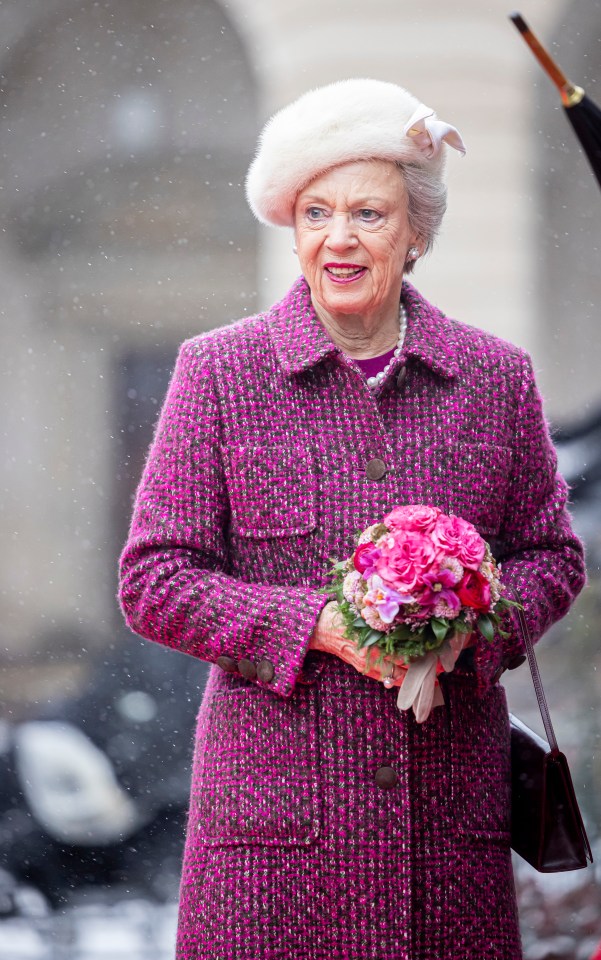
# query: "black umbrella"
(583, 114)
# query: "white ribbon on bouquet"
(419, 689)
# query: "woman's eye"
(368, 215)
(315, 213)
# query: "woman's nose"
(341, 232)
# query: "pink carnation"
(368, 535)
(350, 584)
(443, 609)
(373, 620)
(452, 564)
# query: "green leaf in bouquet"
(358, 623)
(402, 632)
(387, 645)
(372, 637)
(414, 648)
(505, 602)
(440, 628)
(461, 626)
(486, 627)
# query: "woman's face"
(352, 237)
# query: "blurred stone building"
(126, 130)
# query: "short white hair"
(357, 119)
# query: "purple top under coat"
(371, 366)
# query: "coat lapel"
(301, 342)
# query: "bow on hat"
(428, 133)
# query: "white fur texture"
(349, 120)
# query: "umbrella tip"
(519, 21)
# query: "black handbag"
(546, 823)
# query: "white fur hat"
(349, 120)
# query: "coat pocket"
(272, 491)
(256, 779)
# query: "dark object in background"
(583, 114)
(579, 450)
(117, 760)
(546, 824)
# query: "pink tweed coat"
(323, 824)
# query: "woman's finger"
(330, 638)
(389, 672)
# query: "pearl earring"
(294, 250)
(412, 253)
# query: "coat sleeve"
(174, 584)
(542, 558)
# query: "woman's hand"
(328, 637)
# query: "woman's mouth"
(344, 272)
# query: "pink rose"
(458, 538)
(412, 517)
(404, 559)
(448, 534)
(472, 550)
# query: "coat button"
(516, 662)
(247, 669)
(386, 778)
(401, 377)
(228, 664)
(375, 469)
(265, 670)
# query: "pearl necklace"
(374, 382)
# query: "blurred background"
(126, 129)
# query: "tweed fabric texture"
(255, 479)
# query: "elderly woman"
(323, 822)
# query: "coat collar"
(301, 342)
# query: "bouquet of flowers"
(417, 586)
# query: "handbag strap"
(536, 679)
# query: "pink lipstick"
(344, 272)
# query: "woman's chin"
(345, 301)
